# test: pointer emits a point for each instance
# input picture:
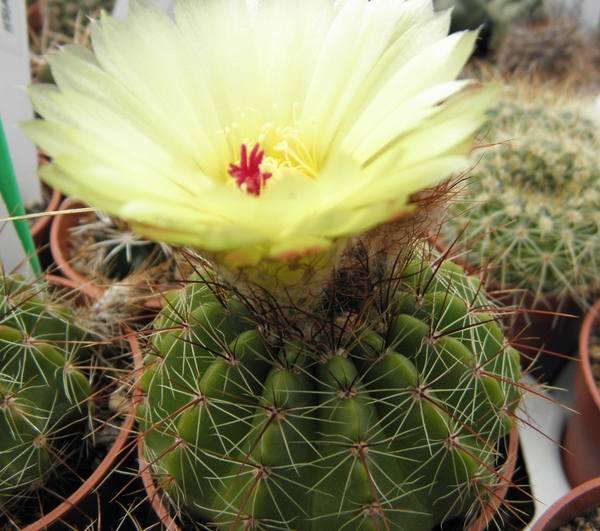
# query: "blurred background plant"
(554, 48)
(54, 23)
(531, 202)
(528, 214)
(492, 16)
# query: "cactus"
(103, 247)
(531, 203)
(384, 418)
(495, 14)
(554, 48)
(43, 396)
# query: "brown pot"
(581, 454)
(155, 496)
(40, 231)
(35, 16)
(573, 504)
(60, 245)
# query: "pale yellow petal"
(438, 63)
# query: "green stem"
(9, 189)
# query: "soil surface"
(590, 521)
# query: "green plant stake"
(14, 204)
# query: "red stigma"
(248, 175)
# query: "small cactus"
(43, 396)
(385, 420)
(531, 205)
(104, 248)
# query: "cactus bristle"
(380, 415)
(44, 396)
(530, 205)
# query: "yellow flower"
(259, 129)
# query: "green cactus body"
(393, 425)
(532, 204)
(42, 394)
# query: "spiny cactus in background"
(386, 417)
(532, 202)
(554, 48)
(43, 396)
(496, 15)
(63, 16)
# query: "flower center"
(270, 146)
(247, 174)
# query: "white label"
(14, 109)
(11, 29)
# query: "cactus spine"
(43, 396)
(384, 418)
(531, 203)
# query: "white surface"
(15, 108)
(546, 413)
(589, 10)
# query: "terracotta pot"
(60, 245)
(35, 16)
(581, 454)
(577, 502)
(155, 496)
(40, 231)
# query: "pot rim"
(577, 501)
(59, 243)
(590, 323)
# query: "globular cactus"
(386, 418)
(43, 396)
(532, 202)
